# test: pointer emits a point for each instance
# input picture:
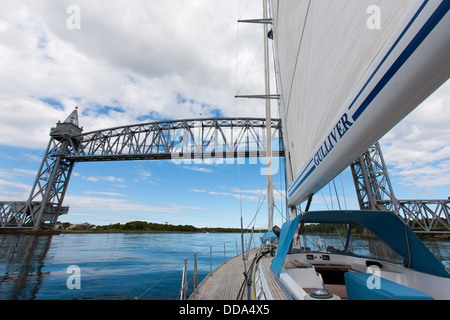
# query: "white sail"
(348, 71)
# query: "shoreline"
(137, 231)
(58, 232)
(423, 237)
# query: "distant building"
(71, 226)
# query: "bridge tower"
(375, 192)
(45, 203)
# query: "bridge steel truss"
(190, 141)
(183, 141)
(374, 192)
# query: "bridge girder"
(179, 140)
(187, 140)
(182, 140)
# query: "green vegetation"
(143, 226)
(325, 228)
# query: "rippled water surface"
(112, 266)
(117, 266)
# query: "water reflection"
(21, 263)
(118, 266)
(441, 249)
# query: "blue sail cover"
(385, 225)
(287, 233)
(269, 236)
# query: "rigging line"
(324, 200)
(281, 194)
(242, 243)
(238, 88)
(239, 165)
(337, 196)
(171, 271)
(257, 211)
(245, 8)
(260, 194)
(284, 218)
(331, 196)
(340, 236)
(281, 184)
(281, 213)
(343, 193)
(237, 52)
(242, 221)
(240, 188)
(192, 278)
(260, 203)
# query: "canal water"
(118, 266)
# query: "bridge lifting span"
(183, 140)
(193, 140)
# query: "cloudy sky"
(124, 62)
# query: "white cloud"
(14, 191)
(136, 61)
(256, 191)
(11, 188)
(103, 179)
(16, 185)
(9, 173)
(197, 190)
(24, 172)
(253, 195)
(129, 62)
(417, 151)
(237, 195)
(83, 203)
(112, 194)
(227, 194)
(199, 169)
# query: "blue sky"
(153, 60)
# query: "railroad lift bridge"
(192, 139)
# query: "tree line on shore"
(143, 226)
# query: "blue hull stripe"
(437, 16)
(300, 183)
(389, 52)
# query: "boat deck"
(225, 282)
(274, 287)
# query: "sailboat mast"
(270, 202)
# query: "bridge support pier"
(375, 192)
(45, 203)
